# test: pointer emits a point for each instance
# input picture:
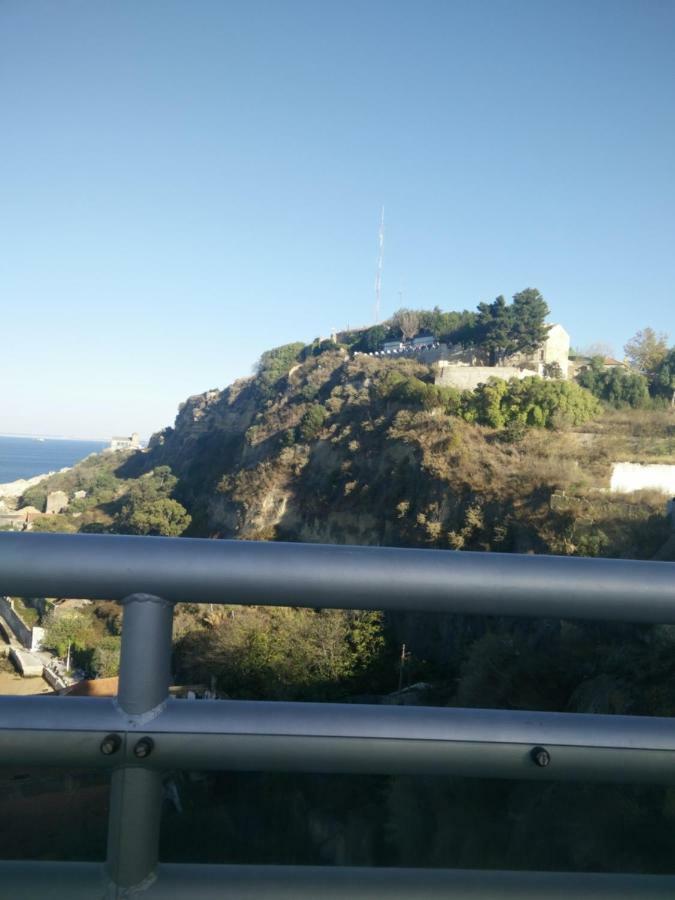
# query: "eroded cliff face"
(329, 453)
(228, 411)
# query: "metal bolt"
(540, 757)
(144, 747)
(111, 744)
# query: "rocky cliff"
(340, 449)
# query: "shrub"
(312, 422)
(282, 653)
(530, 401)
(372, 339)
(105, 660)
(276, 363)
(616, 387)
(156, 517)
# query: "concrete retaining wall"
(31, 638)
(29, 665)
(54, 679)
(16, 623)
(467, 378)
(627, 477)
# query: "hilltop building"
(422, 341)
(580, 363)
(126, 443)
(463, 368)
(555, 349)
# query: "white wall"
(628, 477)
(467, 378)
(22, 632)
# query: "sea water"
(22, 457)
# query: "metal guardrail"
(143, 733)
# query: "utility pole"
(378, 274)
(401, 665)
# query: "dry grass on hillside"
(635, 435)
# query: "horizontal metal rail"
(206, 571)
(318, 737)
(142, 733)
(84, 881)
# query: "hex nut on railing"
(144, 747)
(110, 744)
(540, 757)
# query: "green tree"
(312, 422)
(486, 403)
(105, 660)
(663, 379)
(528, 312)
(494, 330)
(275, 364)
(35, 496)
(160, 516)
(616, 386)
(459, 328)
(149, 509)
(646, 350)
(66, 631)
(282, 653)
(371, 339)
(530, 401)
(501, 329)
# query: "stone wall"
(31, 638)
(467, 378)
(56, 501)
(628, 477)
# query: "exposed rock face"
(329, 453)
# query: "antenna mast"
(378, 275)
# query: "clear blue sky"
(186, 184)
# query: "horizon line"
(53, 437)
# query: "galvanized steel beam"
(77, 881)
(317, 737)
(314, 575)
(136, 790)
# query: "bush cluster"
(531, 401)
(616, 387)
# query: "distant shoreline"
(20, 486)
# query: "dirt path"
(13, 684)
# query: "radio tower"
(378, 275)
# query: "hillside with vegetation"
(326, 444)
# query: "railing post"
(135, 792)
